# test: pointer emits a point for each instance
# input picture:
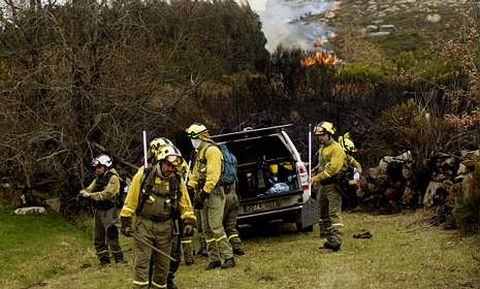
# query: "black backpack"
(119, 199)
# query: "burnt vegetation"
(87, 77)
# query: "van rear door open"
(270, 185)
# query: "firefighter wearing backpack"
(351, 172)
(156, 195)
(180, 243)
(349, 147)
(204, 180)
(331, 160)
(102, 191)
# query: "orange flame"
(319, 58)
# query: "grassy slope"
(413, 31)
(402, 254)
(34, 248)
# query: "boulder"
(54, 204)
(435, 193)
(30, 211)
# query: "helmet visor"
(174, 160)
(318, 130)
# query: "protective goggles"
(318, 130)
(174, 160)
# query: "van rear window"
(265, 167)
(251, 150)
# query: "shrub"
(362, 72)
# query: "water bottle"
(356, 175)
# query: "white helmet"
(102, 160)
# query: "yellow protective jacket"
(331, 159)
(109, 191)
(354, 163)
(207, 168)
(184, 206)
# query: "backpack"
(119, 199)
(229, 175)
(147, 185)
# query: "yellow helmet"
(346, 143)
(324, 127)
(170, 154)
(195, 130)
(156, 144)
(159, 142)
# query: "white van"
(272, 179)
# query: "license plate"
(261, 206)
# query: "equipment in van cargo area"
(266, 177)
(272, 179)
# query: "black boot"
(229, 263)
(104, 260)
(238, 251)
(334, 246)
(118, 257)
(170, 282)
(213, 265)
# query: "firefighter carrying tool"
(157, 195)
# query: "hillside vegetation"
(85, 77)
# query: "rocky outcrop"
(389, 186)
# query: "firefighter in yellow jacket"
(180, 243)
(349, 147)
(156, 195)
(351, 182)
(331, 161)
(205, 181)
(102, 192)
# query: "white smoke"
(283, 21)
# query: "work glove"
(188, 225)
(200, 200)
(84, 194)
(126, 228)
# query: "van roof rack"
(249, 132)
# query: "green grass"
(403, 253)
(36, 248)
